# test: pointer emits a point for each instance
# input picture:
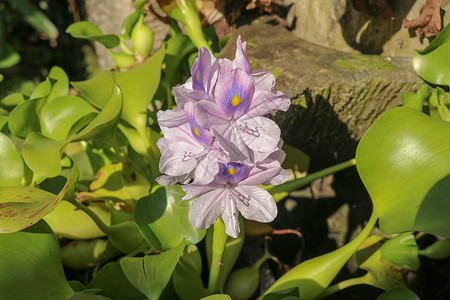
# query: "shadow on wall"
(367, 33)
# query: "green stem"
(193, 24)
(218, 247)
(103, 227)
(281, 191)
(343, 285)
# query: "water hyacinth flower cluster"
(219, 145)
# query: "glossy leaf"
(381, 273)
(113, 283)
(151, 273)
(46, 281)
(69, 222)
(61, 85)
(412, 100)
(59, 115)
(24, 119)
(403, 251)
(36, 18)
(408, 176)
(138, 86)
(311, 277)
(23, 206)
(87, 30)
(11, 173)
(12, 100)
(164, 209)
(398, 294)
(43, 89)
(433, 62)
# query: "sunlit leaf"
(69, 222)
(403, 160)
(24, 119)
(129, 22)
(87, 30)
(61, 86)
(433, 62)
(403, 251)
(9, 58)
(151, 273)
(164, 209)
(217, 297)
(59, 115)
(11, 170)
(12, 100)
(31, 264)
(113, 283)
(412, 100)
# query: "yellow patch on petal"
(231, 171)
(236, 100)
(196, 131)
(199, 76)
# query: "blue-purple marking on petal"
(233, 172)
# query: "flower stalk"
(218, 247)
(101, 225)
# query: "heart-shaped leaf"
(11, 173)
(403, 251)
(403, 160)
(433, 62)
(59, 115)
(113, 283)
(31, 264)
(187, 279)
(23, 206)
(87, 30)
(61, 85)
(164, 209)
(151, 273)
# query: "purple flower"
(234, 190)
(219, 145)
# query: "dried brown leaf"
(429, 21)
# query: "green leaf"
(83, 254)
(12, 100)
(125, 236)
(164, 209)
(43, 89)
(87, 30)
(151, 273)
(138, 86)
(381, 273)
(59, 115)
(403, 162)
(187, 279)
(42, 154)
(129, 22)
(178, 47)
(23, 119)
(297, 161)
(9, 58)
(72, 223)
(217, 297)
(433, 63)
(11, 173)
(438, 250)
(35, 18)
(403, 251)
(398, 294)
(412, 100)
(113, 283)
(31, 264)
(23, 206)
(61, 85)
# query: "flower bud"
(142, 37)
(122, 60)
